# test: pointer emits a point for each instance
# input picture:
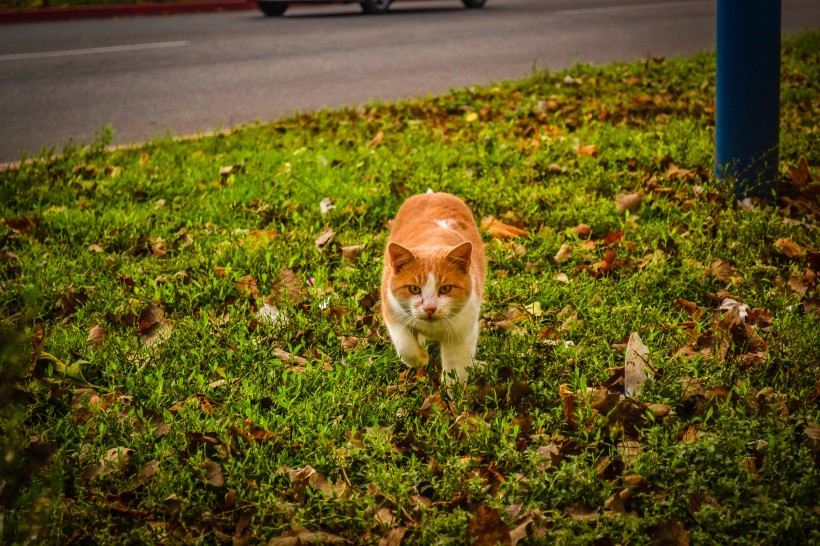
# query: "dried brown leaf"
(800, 283)
(324, 238)
(376, 140)
(669, 533)
(636, 365)
(789, 248)
(589, 150)
(393, 537)
(351, 253)
(582, 511)
(499, 230)
(614, 237)
(96, 336)
(583, 230)
(800, 174)
(247, 287)
(153, 327)
(691, 308)
(564, 253)
(486, 528)
(721, 270)
(629, 451)
(628, 202)
(285, 356)
(213, 473)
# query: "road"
(187, 74)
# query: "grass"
(183, 363)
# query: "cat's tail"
(430, 190)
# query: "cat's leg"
(457, 355)
(407, 346)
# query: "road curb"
(121, 10)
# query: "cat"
(433, 281)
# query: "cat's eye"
(445, 289)
(414, 289)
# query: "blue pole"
(748, 95)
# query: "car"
(273, 8)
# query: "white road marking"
(634, 7)
(90, 50)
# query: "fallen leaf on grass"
(564, 254)
(570, 405)
(582, 511)
(247, 287)
(96, 336)
(325, 206)
(486, 528)
(385, 516)
(547, 456)
(153, 327)
(350, 343)
(22, 225)
(700, 499)
(589, 150)
(523, 526)
(721, 270)
(629, 452)
(583, 230)
(628, 202)
(256, 238)
(691, 308)
(432, 405)
(269, 314)
(789, 248)
(324, 238)
(813, 435)
(800, 174)
(252, 433)
(614, 237)
(636, 365)
(286, 357)
(499, 230)
(669, 533)
(287, 286)
(800, 283)
(301, 536)
(213, 473)
(684, 175)
(308, 477)
(376, 140)
(393, 537)
(351, 253)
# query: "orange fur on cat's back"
(418, 225)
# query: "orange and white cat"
(433, 282)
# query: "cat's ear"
(399, 256)
(461, 255)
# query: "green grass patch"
(182, 362)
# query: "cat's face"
(433, 286)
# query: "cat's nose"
(430, 309)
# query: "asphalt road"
(186, 74)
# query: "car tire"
(474, 3)
(375, 6)
(272, 9)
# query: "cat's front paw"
(416, 358)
